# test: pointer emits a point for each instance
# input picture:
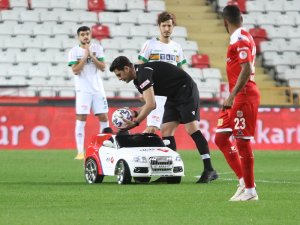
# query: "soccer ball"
(118, 115)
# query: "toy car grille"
(161, 163)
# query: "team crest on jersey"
(145, 83)
(239, 113)
(243, 55)
(220, 122)
(240, 132)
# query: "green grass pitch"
(48, 187)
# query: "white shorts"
(155, 117)
(85, 102)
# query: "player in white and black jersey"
(87, 60)
(166, 50)
(182, 104)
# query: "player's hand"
(150, 129)
(228, 103)
(129, 124)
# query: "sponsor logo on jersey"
(243, 55)
(239, 113)
(144, 84)
(154, 57)
(193, 112)
(220, 122)
(243, 48)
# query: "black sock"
(203, 149)
(172, 144)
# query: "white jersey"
(89, 79)
(155, 50)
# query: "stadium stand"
(35, 35)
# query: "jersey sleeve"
(100, 53)
(145, 52)
(244, 51)
(72, 59)
(145, 78)
(181, 58)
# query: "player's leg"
(222, 140)
(245, 121)
(187, 106)
(154, 119)
(83, 105)
(168, 131)
(209, 174)
(100, 109)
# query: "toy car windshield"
(139, 140)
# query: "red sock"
(230, 152)
(247, 161)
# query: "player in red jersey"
(239, 111)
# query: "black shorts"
(184, 107)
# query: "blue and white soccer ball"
(118, 117)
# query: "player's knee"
(244, 147)
(221, 139)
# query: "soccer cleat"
(79, 156)
(239, 191)
(160, 180)
(246, 197)
(208, 176)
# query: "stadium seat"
(100, 31)
(16, 42)
(38, 71)
(50, 43)
(136, 6)
(34, 42)
(7, 57)
(108, 18)
(78, 5)
(200, 61)
(195, 73)
(88, 17)
(10, 15)
(130, 44)
(291, 6)
(66, 92)
(25, 57)
(149, 18)
(258, 33)
(19, 70)
(156, 6)
(38, 4)
(115, 5)
(23, 29)
(50, 16)
(271, 6)
(42, 29)
(139, 31)
(96, 5)
(127, 17)
(119, 31)
(69, 17)
(212, 73)
(249, 20)
(255, 6)
(4, 4)
(30, 16)
(110, 44)
(179, 32)
(58, 4)
(18, 3)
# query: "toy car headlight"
(178, 158)
(140, 159)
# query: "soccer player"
(182, 104)
(87, 60)
(238, 117)
(166, 50)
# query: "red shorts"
(240, 119)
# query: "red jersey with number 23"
(241, 50)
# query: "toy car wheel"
(123, 172)
(173, 180)
(91, 172)
(142, 179)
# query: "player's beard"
(85, 42)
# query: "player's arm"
(98, 63)
(240, 84)
(79, 66)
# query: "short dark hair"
(164, 16)
(83, 28)
(119, 63)
(232, 14)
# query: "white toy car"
(138, 156)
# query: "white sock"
(79, 135)
(250, 191)
(242, 182)
(103, 125)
